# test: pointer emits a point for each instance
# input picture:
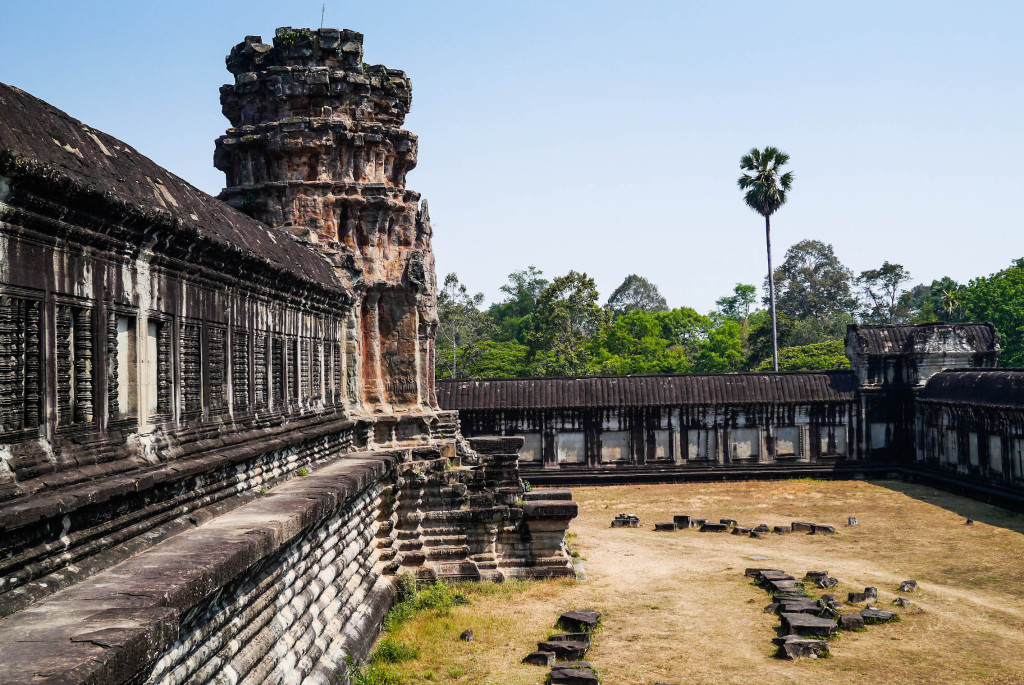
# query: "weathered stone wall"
(193, 403)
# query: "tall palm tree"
(766, 191)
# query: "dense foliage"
(558, 327)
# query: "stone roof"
(993, 387)
(888, 340)
(647, 391)
(44, 144)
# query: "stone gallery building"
(922, 401)
(219, 438)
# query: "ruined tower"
(316, 148)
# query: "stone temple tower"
(316, 147)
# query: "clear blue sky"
(604, 136)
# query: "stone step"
(447, 553)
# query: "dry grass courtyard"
(678, 609)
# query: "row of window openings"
(744, 443)
(945, 446)
(129, 382)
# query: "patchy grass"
(971, 591)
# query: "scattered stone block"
(626, 521)
(856, 598)
(664, 526)
(827, 582)
(773, 574)
(714, 528)
(776, 586)
(756, 572)
(904, 602)
(539, 658)
(795, 647)
(755, 534)
(728, 522)
(852, 521)
(740, 530)
(828, 598)
(681, 522)
(580, 621)
(874, 615)
(800, 606)
(813, 576)
(969, 522)
(801, 527)
(819, 529)
(573, 673)
(851, 622)
(467, 635)
(565, 650)
(780, 530)
(871, 593)
(908, 586)
(763, 528)
(806, 624)
(697, 523)
(570, 637)
(772, 608)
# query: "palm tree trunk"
(771, 294)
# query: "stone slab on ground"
(795, 647)
(580, 620)
(664, 526)
(807, 625)
(873, 615)
(573, 673)
(569, 650)
(801, 527)
(851, 621)
(781, 530)
(740, 530)
(547, 494)
(682, 521)
(908, 586)
(539, 658)
(714, 528)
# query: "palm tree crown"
(766, 188)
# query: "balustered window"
(20, 368)
(74, 365)
(260, 371)
(240, 369)
(317, 372)
(304, 369)
(124, 382)
(217, 367)
(277, 382)
(191, 368)
(336, 367)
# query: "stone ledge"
(550, 509)
(109, 627)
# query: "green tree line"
(559, 327)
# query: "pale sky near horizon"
(605, 136)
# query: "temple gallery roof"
(647, 391)
(38, 140)
(890, 340)
(994, 387)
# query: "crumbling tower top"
(314, 131)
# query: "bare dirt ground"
(678, 609)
